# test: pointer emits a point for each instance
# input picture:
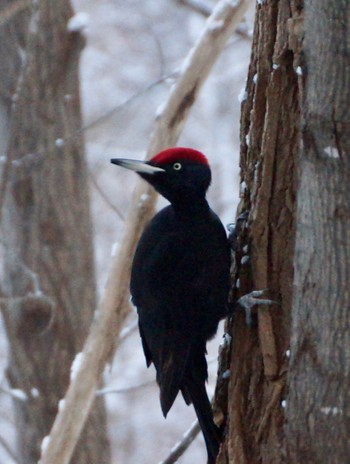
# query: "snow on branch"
(113, 308)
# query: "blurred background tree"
(49, 284)
(131, 55)
(130, 60)
(288, 395)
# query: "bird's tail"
(195, 392)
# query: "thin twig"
(182, 446)
(127, 331)
(205, 9)
(107, 114)
(105, 198)
(100, 344)
(107, 390)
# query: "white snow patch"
(107, 370)
(260, 2)
(186, 62)
(247, 139)
(3, 159)
(75, 366)
(78, 22)
(226, 374)
(35, 392)
(299, 71)
(288, 353)
(245, 259)
(256, 172)
(245, 249)
(114, 249)
(227, 338)
(275, 66)
(238, 283)
(18, 394)
(33, 23)
(283, 404)
(61, 404)
(332, 152)
(45, 443)
(331, 410)
(143, 198)
(160, 109)
(216, 25)
(59, 142)
(243, 187)
(255, 78)
(243, 95)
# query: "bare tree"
(112, 310)
(49, 287)
(296, 99)
(255, 359)
(318, 403)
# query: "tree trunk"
(49, 275)
(250, 402)
(313, 311)
(318, 404)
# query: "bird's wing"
(168, 304)
(174, 285)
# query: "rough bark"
(318, 404)
(49, 275)
(250, 401)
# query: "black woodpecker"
(180, 281)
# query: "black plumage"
(180, 281)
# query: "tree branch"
(182, 446)
(109, 390)
(104, 196)
(100, 344)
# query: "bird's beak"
(141, 167)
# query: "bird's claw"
(252, 299)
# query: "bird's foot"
(251, 299)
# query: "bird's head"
(179, 174)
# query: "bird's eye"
(177, 166)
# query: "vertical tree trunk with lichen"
(49, 278)
(250, 400)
